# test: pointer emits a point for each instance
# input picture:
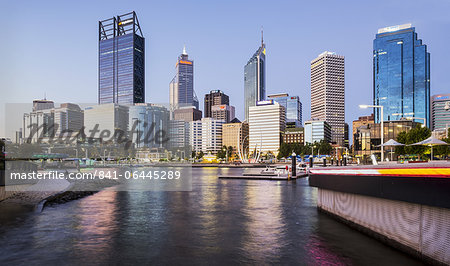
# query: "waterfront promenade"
(406, 206)
(226, 221)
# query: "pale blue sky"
(51, 46)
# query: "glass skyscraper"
(182, 85)
(293, 108)
(401, 74)
(255, 78)
(121, 60)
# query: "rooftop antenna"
(262, 36)
(45, 96)
(184, 50)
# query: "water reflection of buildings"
(265, 224)
(97, 226)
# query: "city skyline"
(281, 74)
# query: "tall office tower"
(293, 108)
(401, 74)
(121, 60)
(328, 93)
(181, 88)
(267, 122)
(440, 111)
(255, 78)
(215, 97)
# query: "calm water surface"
(219, 222)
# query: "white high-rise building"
(440, 111)
(328, 93)
(195, 135)
(211, 135)
(267, 121)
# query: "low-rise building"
(367, 139)
(188, 114)
(294, 135)
(106, 121)
(316, 131)
(236, 136)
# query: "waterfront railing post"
(294, 165)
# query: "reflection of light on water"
(265, 226)
(320, 254)
(97, 225)
(208, 205)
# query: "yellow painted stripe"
(416, 171)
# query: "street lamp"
(364, 106)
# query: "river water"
(218, 222)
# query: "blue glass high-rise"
(255, 78)
(401, 71)
(121, 61)
(293, 108)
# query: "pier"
(405, 206)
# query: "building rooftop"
(394, 28)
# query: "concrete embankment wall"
(420, 230)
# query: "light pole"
(364, 106)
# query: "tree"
(323, 147)
(443, 150)
(415, 135)
(222, 153)
(229, 152)
(308, 148)
(285, 150)
(200, 155)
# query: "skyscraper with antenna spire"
(181, 88)
(255, 77)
